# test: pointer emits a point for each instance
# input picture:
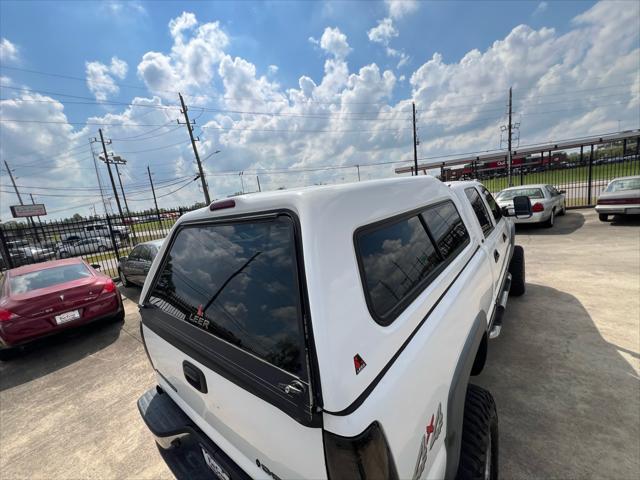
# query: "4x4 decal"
(432, 432)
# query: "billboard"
(34, 210)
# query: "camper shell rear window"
(238, 282)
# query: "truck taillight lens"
(366, 456)
(537, 207)
(109, 287)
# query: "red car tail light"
(537, 207)
(5, 315)
(109, 287)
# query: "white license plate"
(67, 317)
(214, 466)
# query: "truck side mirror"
(522, 206)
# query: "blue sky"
(61, 36)
(299, 85)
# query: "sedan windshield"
(526, 192)
(626, 184)
(47, 277)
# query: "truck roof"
(338, 200)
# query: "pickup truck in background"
(331, 332)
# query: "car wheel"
(64, 254)
(564, 209)
(479, 449)
(517, 271)
(549, 223)
(123, 279)
(603, 217)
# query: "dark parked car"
(133, 269)
(44, 298)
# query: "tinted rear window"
(237, 282)
(47, 277)
(399, 258)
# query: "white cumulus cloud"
(8, 51)
(401, 8)
(100, 77)
(383, 32)
(191, 63)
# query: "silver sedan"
(88, 245)
(546, 202)
(621, 197)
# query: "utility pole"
(15, 187)
(95, 165)
(241, 180)
(6, 165)
(258, 180)
(205, 189)
(106, 160)
(126, 205)
(155, 201)
(509, 128)
(415, 140)
(358, 167)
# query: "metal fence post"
(590, 178)
(4, 250)
(113, 238)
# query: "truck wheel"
(479, 450)
(517, 271)
(603, 217)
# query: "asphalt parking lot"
(564, 372)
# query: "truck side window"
(493, 205)
(398, 258)
(480, 210)
(446, 227)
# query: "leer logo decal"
(358, 363)
(432, 432)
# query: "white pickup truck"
(330, 332)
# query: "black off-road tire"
(479, 449)
(517, 271)
(603, 217)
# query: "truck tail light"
(537, 207)
(5, 315)
(222, 204)
(364, 456)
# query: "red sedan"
(44, 298)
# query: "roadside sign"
(35, 210)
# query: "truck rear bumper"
(187, 451)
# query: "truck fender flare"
(458, 393)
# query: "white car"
(547, 202)
(330, 332)
(85, 246)
(621, 197)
